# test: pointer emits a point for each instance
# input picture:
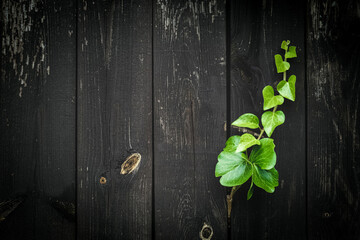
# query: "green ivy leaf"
(232, 143)
(227, 161)
(281, 65)
(264, 155)
(270, 100)
(265, 179)
(287, 88)
(270, 120)
(248, 120)
(291, 53)
(251, 190)
(233, 168)
(285, 44)
(247, 140)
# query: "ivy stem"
(229, 199)
(261, 133)
(274, 110)
(284, 75)
(245, 130)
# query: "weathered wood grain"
(189, 117)
(9, 206)
(333, 65)
(257, 30)
(37, 119)
(114, 119)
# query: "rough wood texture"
(37, 119)
(333, 47)
(8, 206)
(86, 86)
(114, 119)
(257, 29)
(190, 112)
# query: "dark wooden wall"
(85, 84)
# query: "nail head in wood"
(102, 180)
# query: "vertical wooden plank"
(37, 119)
(257, 30)
(190, 112)
(333, 46)
(114, 119)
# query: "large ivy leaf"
(228, 161)
(247, 120)
(270, 120)
(232, 143)
(247, 140)
(265, 179)
(291, 53)
(233, 168)
(287, 89)
(285, 44)
(281, 66)
(270, 100)
(264, 155)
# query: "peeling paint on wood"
(37, 115)
(189, 12)
(19, 19)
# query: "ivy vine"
(251, 155)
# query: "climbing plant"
(251, 156)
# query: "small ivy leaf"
(264, 155)
(287, 89)
(265, 179)
(248, 120)
(291, 53)
(247, 140)
(251, 190)
(284, 44)
(232, 143)
(270, 120)
(270, 100)
(233, 168)
(281, 66)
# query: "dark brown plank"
(114, 119)
(333, 46)
(190, 112)
(257, 30)
(37, 119)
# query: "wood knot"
(131, 163)
(327, 215)
(206, 232)
(102, 180)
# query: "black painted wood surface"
(114, 119)
(333, 88)
(189, 117)
(86, 84)
(37, 119)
